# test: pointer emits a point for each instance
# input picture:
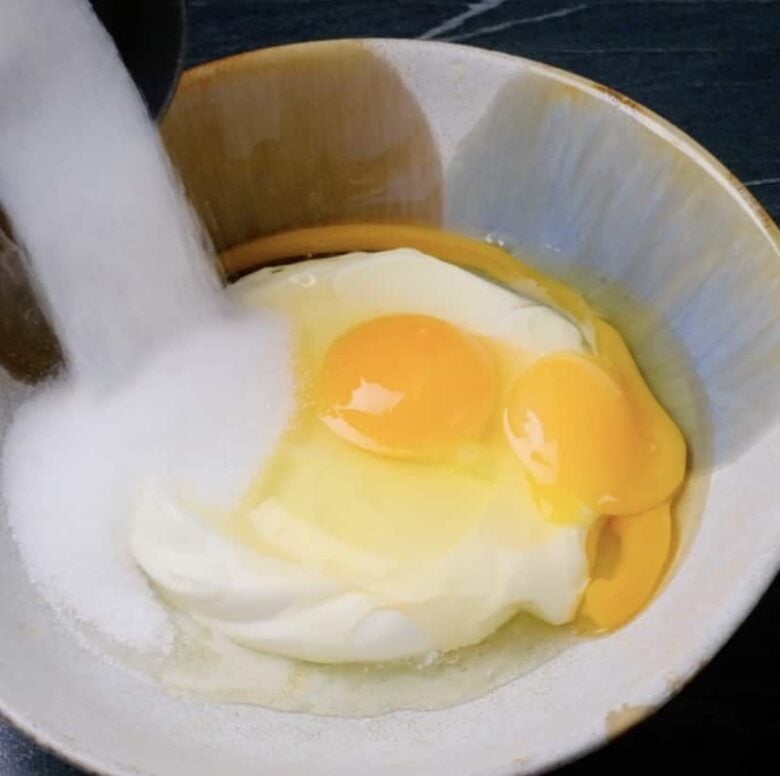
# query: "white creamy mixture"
(310, 594)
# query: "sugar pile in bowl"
(164, 379)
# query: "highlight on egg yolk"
(587, 427)
(407, 385)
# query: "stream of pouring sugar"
(165, 383)
(86, 183)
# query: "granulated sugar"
(164, 380)
(91, 194)
(200, 417)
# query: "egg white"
(313, 596)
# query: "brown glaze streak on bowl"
(302, 136)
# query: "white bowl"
(566, 170)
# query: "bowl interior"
(582, 182)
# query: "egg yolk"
(575, 430)
(581, 427)
(407, 385)
(644, 544)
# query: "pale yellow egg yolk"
(587, 428)
(407, 385)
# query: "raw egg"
(465, 432)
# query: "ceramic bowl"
(598, 189)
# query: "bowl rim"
(650, 120)
(654, 122)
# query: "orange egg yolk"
(407, 385)
(575, 430)
(644, 542)
(589, 430)
(587, 427)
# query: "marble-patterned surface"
(711, 67)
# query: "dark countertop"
(713, 68)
